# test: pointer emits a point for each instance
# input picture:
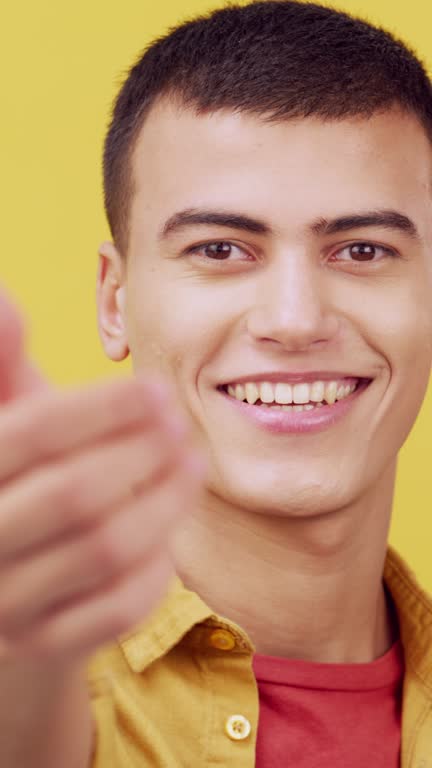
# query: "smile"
(303, 396)
(304, 406)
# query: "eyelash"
(389, 252)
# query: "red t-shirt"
(329, 715)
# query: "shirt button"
(237, 727)
(222, 640)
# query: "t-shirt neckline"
(386, 671)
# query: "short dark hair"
(277, 59)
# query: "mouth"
(295, 407)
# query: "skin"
(74, 581)
(290, 538)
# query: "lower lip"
(284, 422)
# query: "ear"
(111, 302)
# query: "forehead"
(287, 170)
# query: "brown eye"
(363, 251)
(358, 252)
(220, 250)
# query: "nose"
(292, 306)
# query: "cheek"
(402, 334)
(396, 315)
(173, 326)
(407, 328)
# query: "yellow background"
(61, 65)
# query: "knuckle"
(11, 617)
(139, 594)
(122, 404)
(69, 492)
(37, 643)
(119, 622)
(6, 618)
(39, 429)
(30, 435)
(108, 552)
(123, 615)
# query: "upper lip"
(293, 376)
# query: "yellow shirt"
(179, 690)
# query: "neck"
(303, 588)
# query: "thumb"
(18, 376)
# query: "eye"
(219, 250)
(358, 252)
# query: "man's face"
(303, 302)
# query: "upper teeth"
(284, 394)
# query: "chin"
(283, 496)
(304, 485)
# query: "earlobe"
(111, 296)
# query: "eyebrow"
(192, 216)
(388, 219)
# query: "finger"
(18, 376)
(70, 496)
(43, 427)
(87, 563)
(97, 620)
(11, 345)
(27, 380)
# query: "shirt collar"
(174, 617)
(181, 610)
(414, 609)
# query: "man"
(267, 183)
